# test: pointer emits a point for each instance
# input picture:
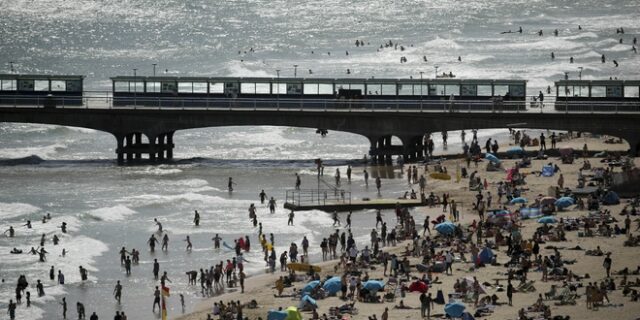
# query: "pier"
(330, 200)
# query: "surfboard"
(227, 246)
(302, 267)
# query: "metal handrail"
(317, 196)
(104, 99)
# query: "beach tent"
(491, 158)
(611, 198)
(307, 301)
(310, 286)
(454, 309)
(564, 202)
(277, 315)
(373, 285)
(486, 255)
(332, 285)
(530, 213)
(293, 314)
(469, 281)
(418, 286)
(445, 228)
(547, 219)
(438, 267)
(547, 171)
(518, 200)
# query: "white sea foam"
(116, 213)
(41, 151)
(16, 209)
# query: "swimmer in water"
(196, 218)
(152, 243)
(603, 59)
(158, 224)
(189, 245)
(553, 55)
(615, 63)
(230, 184)
(165, 242)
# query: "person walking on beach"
(349, 173)
(298, 182)
(156, 299)
(426, 303)
(64, 307)
(607, 264)
(196, 218)
(80, 310)
(379, 217)
(378, 184)
(510, 293)
(348, 225)
(272, 205)
(448, 258)
(117, 291)
(189, 244)
(11, 309)
(366, 178)
(543, 145)
(262, 196)
(165, 242)
(230, 184)
(290, 221)
(336, 218)
(156, 268)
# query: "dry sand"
(261, 289)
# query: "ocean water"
(70, 172)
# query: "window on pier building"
(629, 92)
(500, 90)
(516, 90)
(406, 89)
(169, 87)
(248, 88)
(325, 88)
(310, 88)
(445, 90)
(263, 88)
(199, 87)
(216, 87)
(483, 90)
(8, 85)
(41, 85)
(597, 92)
(74, 85)
(58, 85)
(153, 86)
(468, 90)
(279, 88)
(614, 91)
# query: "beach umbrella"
(564, 202)
(306, 299)
(310, 286)
(491, 158)
(332, 285)
(469, 281)
(418, 286)
(486, 256)
(373, 285)
(454, 309)
(445, 228)
(518, 200)
(547, 219)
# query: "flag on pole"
(165, 293)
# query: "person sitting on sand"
(402, 306)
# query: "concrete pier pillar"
(170, 145)
(138, 142)
(120, 149)
(161, 146)
(380, 148)
(152, 147)
(129, 144)
(387, 143)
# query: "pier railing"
(307, 197)
(105, 100)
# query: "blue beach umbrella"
(564, 202)
(547, 219)
(454, 309)
(277, 315)
(518, 200)
(445, 228)
(491, 158)
(515, 150)
(310, 286)
(373, 285)
(332, 285)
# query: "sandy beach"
(261, 287)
